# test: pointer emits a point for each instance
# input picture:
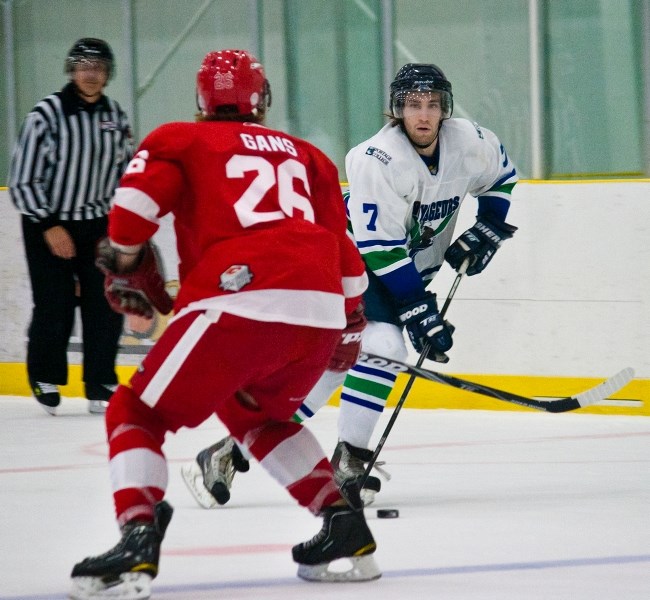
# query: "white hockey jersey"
(402, 215)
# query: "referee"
(71, 152)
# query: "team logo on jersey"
(234, 278)
(223, 81)
(138, 163)
(379, 154)
(431, 219)
(436, 210)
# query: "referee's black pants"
(53, 281)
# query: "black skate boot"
(345, 534)
(349, 463)
(209, 477)
(125, 571)
(47, 394)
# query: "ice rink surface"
(493, 506)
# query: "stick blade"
(606, 388)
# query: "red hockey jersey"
(259, 219)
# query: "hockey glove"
(478, 244)
(348, 349)
(424, 324)
(138, 292)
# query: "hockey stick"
(558, 405)
(409, 383)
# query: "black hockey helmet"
(90, 50)
(414, 77)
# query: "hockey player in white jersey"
(406, 185)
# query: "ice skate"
(98, 395)
(125, 572)
(344, 535)
(47, 394)
(349, 463)
(209, 477)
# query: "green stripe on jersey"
(506, 188)
(381, 259)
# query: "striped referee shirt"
(69, 158)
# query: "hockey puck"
(387, 513)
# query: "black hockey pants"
(54, 292)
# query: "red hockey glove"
(138, 292)
(347, 352)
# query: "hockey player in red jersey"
(269, 280)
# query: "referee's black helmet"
(90, 50)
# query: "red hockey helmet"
(232, 81)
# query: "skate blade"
(97, 407)
(193, 478)
(129, 586)
(50, 410)
(363, 568)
